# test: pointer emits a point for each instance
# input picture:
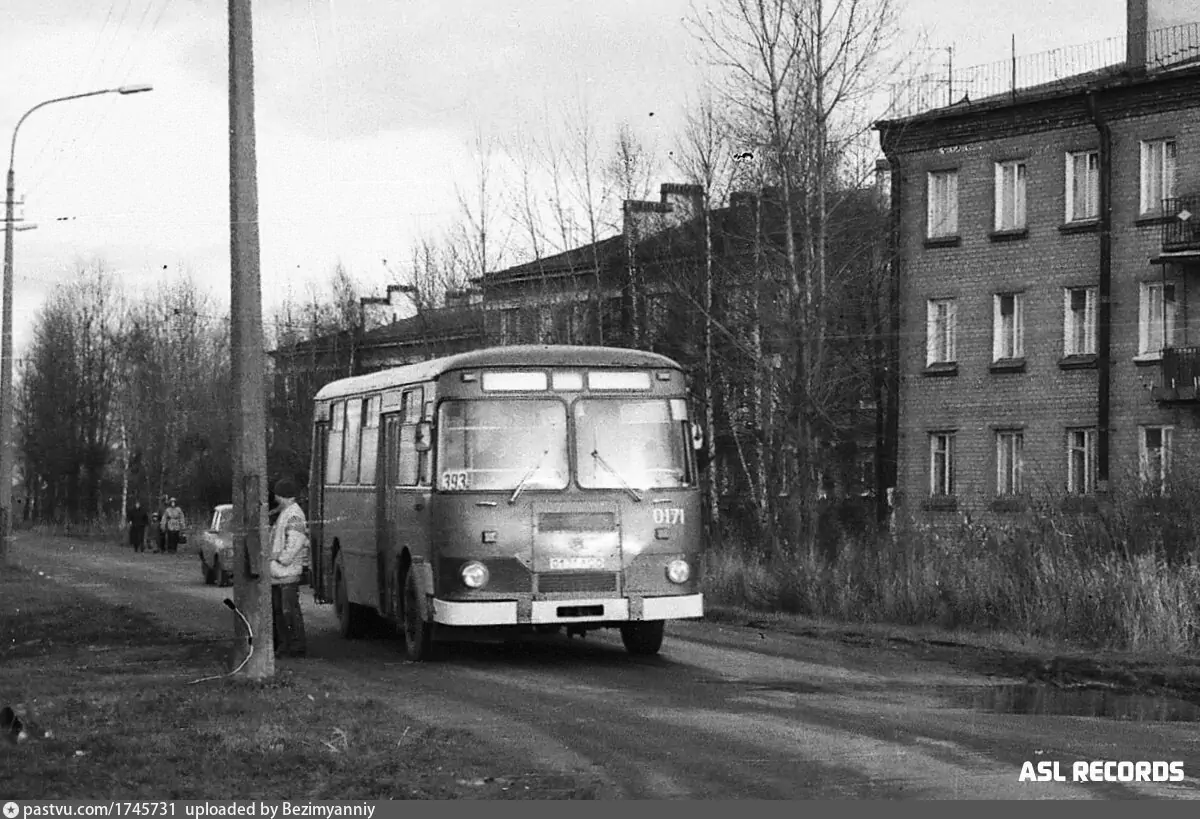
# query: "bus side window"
(413, 466)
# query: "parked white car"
(216, 547)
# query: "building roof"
(575, 260)
(437, 324)
(1058, 104)
(441, 323)
(1108, 75)
(522, 355)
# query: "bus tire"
(351, 619)
(418, 632)
(644, 638)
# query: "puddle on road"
(1079, 702)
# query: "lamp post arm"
(12, 153)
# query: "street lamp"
(6, 352)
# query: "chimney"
(1137, 19)
(686, 201)
(642, 219)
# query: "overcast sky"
(365, 111)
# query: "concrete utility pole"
(252, 579)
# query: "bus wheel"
(350, 617)
(418, 634)
(643, 638)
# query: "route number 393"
(455, 481)
(669, 516)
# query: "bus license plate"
(576, 563)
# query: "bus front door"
(405, 508)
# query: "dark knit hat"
(286, 488)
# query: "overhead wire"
(71, 152)
(84, 73)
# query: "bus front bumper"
(593, 610)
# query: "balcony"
(1181, 227)
(1179, 377)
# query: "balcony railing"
(1181, 227)
(1180, 376)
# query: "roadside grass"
(1111, 593)
(110, 686)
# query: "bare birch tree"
(795, 72)
(704, 157)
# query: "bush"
(1123, 576)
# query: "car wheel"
(643, 639)
(209, 577)
(418, 633)
(218, 571)
(351, 618)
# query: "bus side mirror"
(424, 436)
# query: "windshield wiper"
(525, 478)
(625, 484)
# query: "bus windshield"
(621, 443)
(502, 444)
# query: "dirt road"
(723, 712)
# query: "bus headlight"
(474, 575)
(678, 571)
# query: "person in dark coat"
(138, 521)
(154, 532)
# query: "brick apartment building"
(1048, 274)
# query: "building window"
(1081, 461)
(1158, 174)
(1010, 462)
(1155, 457)
(941, 330)
(1158, 318)
(943, 204)
(1008, 326)
(941, 463)
(1083, 186)
(510, 325)
(1079, 321)
(545, 324)
(1010, 195)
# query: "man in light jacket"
(289, 551)
(174, 522)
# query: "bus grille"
(563, 582)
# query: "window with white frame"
(941, 463)
(1158, 319)
(1079, 320)
(1158, 173)
(942, 217)
(941, 330)
(1010, 462)
(1081, 461)
(1154, 451)
(1008, 326)
(1083, 186)
(1010, 195)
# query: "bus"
(506, 490)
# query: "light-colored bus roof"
(523, 355)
